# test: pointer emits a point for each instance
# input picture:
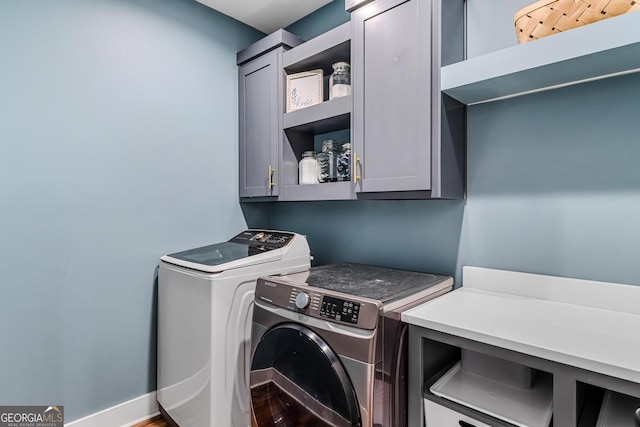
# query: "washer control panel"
(339, 309)
(324, 304)
(264, 238)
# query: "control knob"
(302, 300)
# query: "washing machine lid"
(248, 248)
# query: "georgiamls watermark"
(32, 416)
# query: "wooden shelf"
(320, 118)
(324, 191)
(600, 50)
(320, 52)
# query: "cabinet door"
(391, 77)
(260, 124)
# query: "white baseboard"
(125, 414)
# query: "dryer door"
(296, 379)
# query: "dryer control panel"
(320, 303)
(340, 309)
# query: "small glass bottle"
(328, 161)
(340, 80)
(307, 168)
(344, 163)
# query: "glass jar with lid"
(328, 161)
(307, 168)
(344, 163)
(340, 80)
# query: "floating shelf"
(599, 50)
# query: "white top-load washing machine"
(205, 306)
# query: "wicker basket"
(548, 17)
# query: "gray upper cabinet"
(260, 101)
(392, 95)
(408, 139)
(259, 118)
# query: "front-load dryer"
(205, 305)
(329, 347)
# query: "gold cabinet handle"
(355, 168)
(270, 172)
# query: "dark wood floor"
(153, 422)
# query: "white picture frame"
(304, 89)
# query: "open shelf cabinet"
(302, 128)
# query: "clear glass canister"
(344, 163)
(307, 168)
(340, 80)
(328, 161)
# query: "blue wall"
(118, 143)
(327, 17)
(411, 234)
(118, 123)
(553, 186)
(554, 183)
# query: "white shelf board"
(599, 50)
(530, 407)
(542, 322)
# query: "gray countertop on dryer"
(377, 283)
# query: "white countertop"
(590, 325)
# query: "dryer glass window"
(296, 379)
